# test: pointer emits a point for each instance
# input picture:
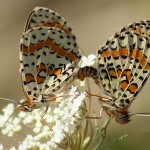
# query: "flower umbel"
(64, 120)
(71, 112)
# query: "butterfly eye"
(25, 108)
(123, 119)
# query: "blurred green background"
(93, 23)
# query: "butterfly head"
(120, 114)
(123, 118)
(25, 106)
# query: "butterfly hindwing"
(49, 57)
(123, 66)
(140, 27)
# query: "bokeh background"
(93, 22)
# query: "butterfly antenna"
(10, 100)
(104, 99)
(54, 98)
(141, 114)
(100, 115)
(7, 120)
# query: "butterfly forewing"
(41, 16)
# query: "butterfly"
(123, 67)
(49, 56)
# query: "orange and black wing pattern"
(49, 54)
(123, 64)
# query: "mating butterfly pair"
(49, 57)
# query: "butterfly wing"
(48, 54)
(123, 66)
(140, 27)
(41, 16)
(49, 58)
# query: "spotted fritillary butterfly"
(123, 65)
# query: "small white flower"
(56, 111)
(49, 119)
(17, 128)
(36, 130)
(38, 124)
(44, 147)
(13, 148)
(28, 119)
(1, 147)
(82, 83)
(8, 110)
(29, 143)
(16, 121)
(87, 61)
(22, 114)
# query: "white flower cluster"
(13, 124)
(61, 121)
(1, 147)
(71, 112)
(64, 120)
(87, 61)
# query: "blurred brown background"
(93, 22)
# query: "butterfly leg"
(44, 121)
(45, 112)
(105, 99)
(100, 115)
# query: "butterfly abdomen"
(88, 72)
